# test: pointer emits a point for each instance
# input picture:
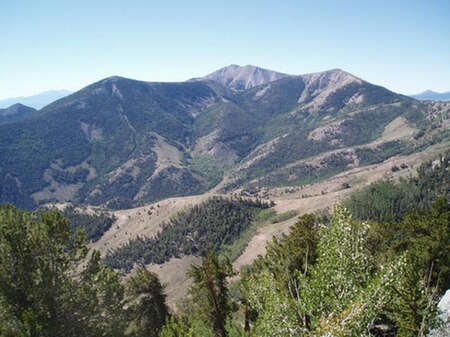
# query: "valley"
(162, 177)
(310, 198)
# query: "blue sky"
(48, 44)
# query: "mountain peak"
(432, 96)
(333, 75)
(113, 79)
(245, 77)
(16, 108)
(15, 112)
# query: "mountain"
(36, 101)
(243, 77)
(121, 142)
(110, 140)
(15, 112)
(432, 96)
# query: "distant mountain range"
(35, 101)
(121, 142)
(432, 96)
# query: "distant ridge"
(37, 101)
(432, 96)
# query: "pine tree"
(45, 289)
(146, 304)
(210, 291)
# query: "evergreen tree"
(44, 288)
(210, 289)
(147, 305)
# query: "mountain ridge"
(120, 142)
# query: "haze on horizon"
(402, 45)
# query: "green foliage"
(378, 154)
(43, 290)
(276, 312)
(425, 234)
(146, 304)
(191, 326)
(175, 328)
(387, 200)
(414, 301)
(208, 226)
(235, 249)
(208, 167)
(50, 285)
(383, 200)
(276, 218)
(294, 252)
(343, 266)
(174, 181)
(270, 285)
(94, 225)
(210, 291)
(343, 288)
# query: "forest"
(94, 224)
(369, 272)
(202, 228)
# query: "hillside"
(318, 198)
(373, 264)
(15, 112)
(120, 143)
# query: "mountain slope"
(122, 142)
(37, 101)
(99, 144)
(15, 112)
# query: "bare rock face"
(443, 329)
(444, 306)
(243, 77)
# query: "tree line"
(194, 231)
(390, 200)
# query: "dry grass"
(146, 220)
